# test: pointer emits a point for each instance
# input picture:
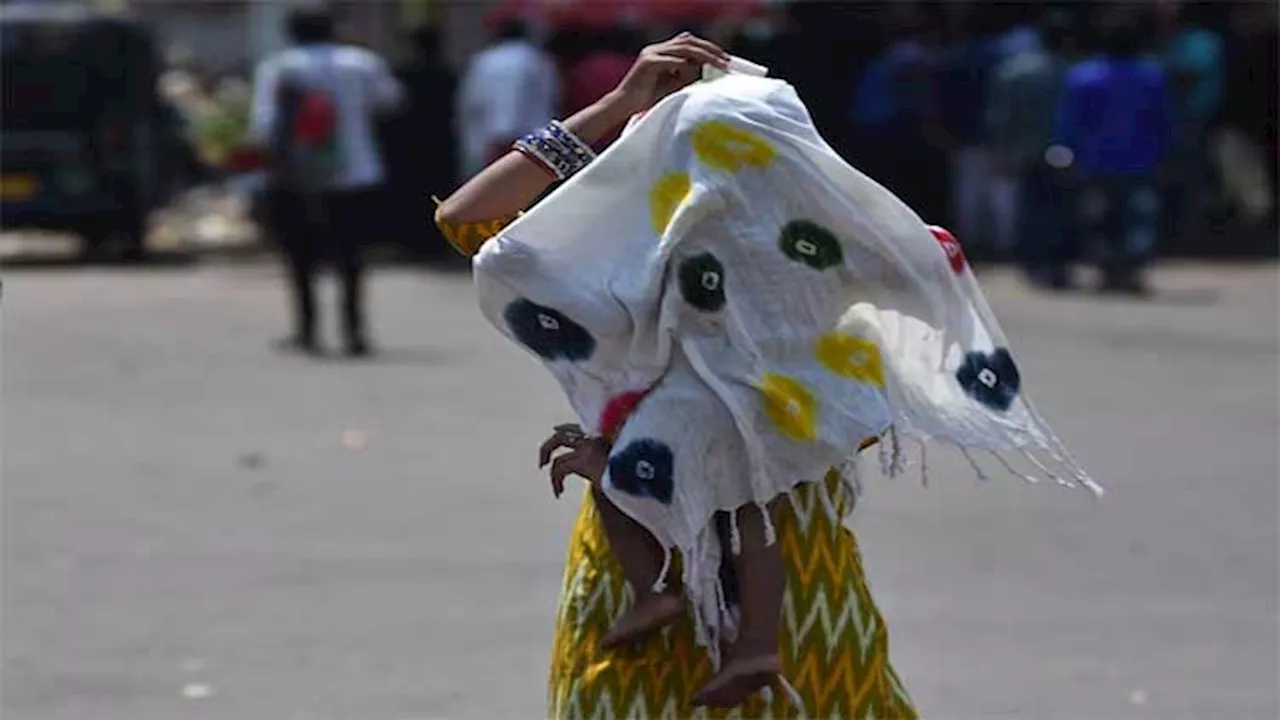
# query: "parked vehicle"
(82, 132)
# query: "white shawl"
(773, 306)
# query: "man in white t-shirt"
(510, 88)
(323, 98)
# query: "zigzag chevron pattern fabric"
(834, 644)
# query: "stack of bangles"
(556, 150)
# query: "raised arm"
(263, 110)
(514, 181)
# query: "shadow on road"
(382, 356)
(406, 357)
(1186, 296)
(1173, 297)
(157, 260)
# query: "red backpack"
(306, 147)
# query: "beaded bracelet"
(531, 157)
(557, 149)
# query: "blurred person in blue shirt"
(896, 112)
(1114, 127)
(1021, 109)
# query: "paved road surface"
(196, 527)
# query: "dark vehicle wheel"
(121, 237)
(133, 238)
(96, 239)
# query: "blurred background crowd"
(999, 120)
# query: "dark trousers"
(313, 228)
(1120, 216)
(1186, 192)
(915, 170)
(1045, 238)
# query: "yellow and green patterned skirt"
(834, 644)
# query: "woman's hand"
(664, 68)
(587, 458)
(513, 182)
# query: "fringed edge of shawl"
(715, 621)
(1044, 451)
(713, 618)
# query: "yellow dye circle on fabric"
(666, 196)
(851, 357)
(790, 406)
(727, 147)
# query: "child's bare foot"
(649, 613)
(739, 677)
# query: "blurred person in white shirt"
(510, 88)
(320, 99)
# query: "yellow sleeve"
(467, 238)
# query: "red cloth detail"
(317, 119)
(951, 246)
(617, 410)
(246, 159)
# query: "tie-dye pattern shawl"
(756, 308)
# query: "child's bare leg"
(753, 661)
(637, 551)
(761, 580)
(640, 556)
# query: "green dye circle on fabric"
(810, 243)
(702, 282)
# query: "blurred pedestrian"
(509, 89)
(1021, 32)
(421, 152)
(1021, 107)
(607, 58)
(963, 84)
(1246, 146)
(1115, 121)
(1194, 63)
(897, 111)
(567, 44)
(314, 107)
(872, 116)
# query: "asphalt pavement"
(196, 526)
